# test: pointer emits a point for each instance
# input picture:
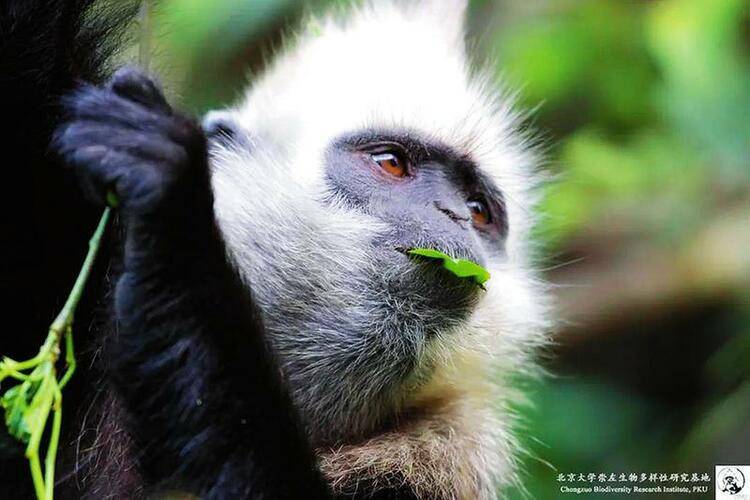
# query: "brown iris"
(480, 212)
(391, 163)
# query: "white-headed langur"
(266, 335)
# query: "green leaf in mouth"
(462, 268)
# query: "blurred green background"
(644, 107)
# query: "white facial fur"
(325, 296)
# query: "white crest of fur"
(386, 66)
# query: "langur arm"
(206, 402)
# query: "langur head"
(373, 133)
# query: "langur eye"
(480, 212)
(391, 163)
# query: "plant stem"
(43, 399)
(54, 438)
(70, 359)
(64, 320)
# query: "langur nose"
(451, 213)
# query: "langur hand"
(125, 139)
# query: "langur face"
(427, 195)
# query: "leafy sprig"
(28, 404)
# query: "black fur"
(46, 47)
(195, 391)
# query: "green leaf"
(460, 267)
(35, 416)
(15, 404)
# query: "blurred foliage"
(646, 108)
(648, 105)
(651, 98)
